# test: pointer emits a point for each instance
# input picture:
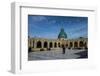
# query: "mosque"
(43, 44)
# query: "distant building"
(42, 44)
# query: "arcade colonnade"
(36, 44)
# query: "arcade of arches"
(37, 44)
(40, 44)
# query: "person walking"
(63, 49)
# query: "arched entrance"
(71, 44)
(39, 45)
(85, 44)
(45, 44)
(81, 44)
(58, 44)
(50, 45)
(75, 44)
(66, 45)
(55, 44)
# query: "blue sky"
(49, 26)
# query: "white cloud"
(38, 18)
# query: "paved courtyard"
(55, 54)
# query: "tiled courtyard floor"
(54, 54)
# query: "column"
(52, 44)
(57, 44)
(78, 44)
(31, 42)
(68, 44)
(35, 43)
(73, 44)
(48, 44)
(42, 43)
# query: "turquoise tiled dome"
(62, 34)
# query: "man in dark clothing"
(63, 49)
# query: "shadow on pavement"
(82, 54)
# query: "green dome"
(62, 34)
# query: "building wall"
(40, 44)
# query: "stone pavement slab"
(53, 54)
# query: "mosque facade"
(43, 44)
